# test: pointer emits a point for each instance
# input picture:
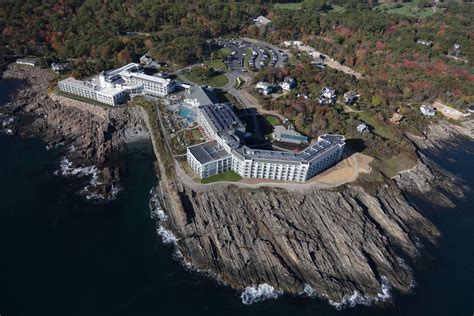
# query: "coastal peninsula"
(289, 149)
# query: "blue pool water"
(187, 113)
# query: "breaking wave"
(357, 298)
(66, 169)
(157, 213)
(308, 291)
(262, 292)
(5, 121)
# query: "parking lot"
(250, 54)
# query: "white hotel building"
(117, 86)
(225, 152)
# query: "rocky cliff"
(338, 243)
(93, 133)
(346, 245)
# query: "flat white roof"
(151, 78)
(110, 91)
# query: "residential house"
(288, 83)
(327, 97)
(262, 21)
(428, 110)
(264, 87)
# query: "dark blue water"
(63, 255)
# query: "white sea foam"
(54, 146)
(157, 213)
(5, 122)
(167, 237)
(309, 291)
(418, 243)
(262, 292)
(66, 170)
(356, 298)
(178, 256)
(403, 264)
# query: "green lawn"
(225, 176)
(196, 134)
(380, 128)
(288, 6)
(273, 120)
(248, 55)
(216, 81)
(224, 52)
(80, 98)
(230, 98)
(216, 63)
(409, 9)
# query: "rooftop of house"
(262, 20)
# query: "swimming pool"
(187, 113)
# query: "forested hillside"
(379, 40)
(118, 31)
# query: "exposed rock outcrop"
(439, 135)
(337, 242)
(94, 133)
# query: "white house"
(428, 110)
(288, 83)
(264, 87)
(328, 96)
(425, 42)
(261, 20)
(292, 43)
(362, 128)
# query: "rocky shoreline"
(92, 134)
(347, 245)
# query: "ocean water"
(64, 255)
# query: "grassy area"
(224, 52)
(80, 98)
(390, 167)
(273, 120)
(230, 98)
(225, 176)
(288, 6)
(151, 109)
(216, 63)
(217, 81)
(239, 82)
(196, 134)
(380, 128)
(248, 55)
(409, 9)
